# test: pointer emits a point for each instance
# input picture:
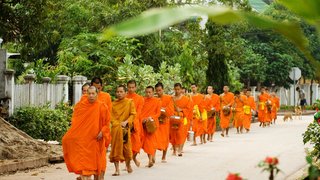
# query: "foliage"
(313, 170)
(43, 122)
(146, 76)
(312, 136)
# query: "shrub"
(312, 135)
(43, 122)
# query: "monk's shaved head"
(92, 94)
(225, 88)
(121, 92)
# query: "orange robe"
(248, 117)
(136, 135)
(268, 111)
(199, 126)
(212, 102)
(262, 108)
(225, 99)
(83, 154)
(178, 135)
(162, 133)
(151, 108)
(122, 110)
(239, 112)
(275, 106)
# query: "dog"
(298, 112)
(287, 116)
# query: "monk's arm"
(132, 114)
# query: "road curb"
(23, 165)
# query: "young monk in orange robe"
(262, 107)
(199, 125)
(212, 103)
(162, 133)
(122, 117)
(102, 96)
(150, 112)
(137, 125)
(268, 119)
(226, 100)
(84, 143)
(239, 101)
(182, 111)
(248, 109)
(275, 106)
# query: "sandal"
(180, 154)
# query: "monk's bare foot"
(137, 163)
(150, 165)
(194, 144)
(222, 134)
(116, 174)
(211, 140)
(78, 178)
(163, 161)
(153, 160)
(180, 154)
(129, 169)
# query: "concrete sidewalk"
(239, 153)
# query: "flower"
(234, 176)
(271, 160)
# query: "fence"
(33, 94)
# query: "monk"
(122, 117)
(248, 110)
(212, 105)
(85, 88)
(84, 143)
(162, 133)
(268, 119)
(275, 101)
(150, 112)
(137, 125)
(240, 101)
(262, 108)
(182, 111)
(226, 100)
(199, 125)
(102, 96)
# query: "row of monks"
(133, 122)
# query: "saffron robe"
(199, 125)
(239, 111)
(226, 99)
(122, 110)
(83, 153)
(151, 108)
(248, 117)
(212, 102)
(136, 135)
(162, 133)
(178, 135)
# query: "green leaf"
(308, 9)
(156, 19)
(258, 5)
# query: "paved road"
(237, 153)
